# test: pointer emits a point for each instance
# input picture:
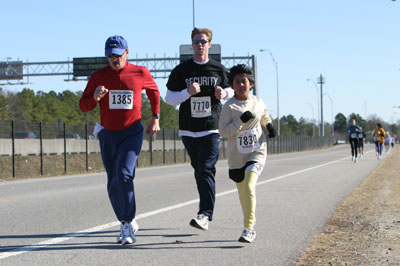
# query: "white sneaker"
(355, 159)
(247, 236)
(352, 158)
(128, 237)
(200, 222)
(135, 228)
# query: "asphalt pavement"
(68, 220)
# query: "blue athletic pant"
(204, 154)
(119, 152)
(379, 146)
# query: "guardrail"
(77, 151)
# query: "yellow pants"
(247, 196)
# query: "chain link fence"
(37, 149)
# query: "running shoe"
(135, 228)
(200, 222)
(128, 237)
(247, 236)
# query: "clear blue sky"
(354, 44)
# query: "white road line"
(57, 240)
(300, 171)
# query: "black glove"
(246, 116)
(271, 130)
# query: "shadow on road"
(179, 242)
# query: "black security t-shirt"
(201, 111)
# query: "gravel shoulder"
(365, 229)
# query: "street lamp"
(321, 81)
(277, 87)
(316, 87)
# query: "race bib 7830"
(248, 140)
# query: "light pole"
(277, 87)
(194, 15)
(333, 121)
(316, 87)
(321, 81)
(312, 109)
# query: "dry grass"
(365, 230)
(54, 165)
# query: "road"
(69, 221)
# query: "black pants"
(354, 146)
(204, 154)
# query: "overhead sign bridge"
(80, 68)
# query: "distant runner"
(379, 135)
(393, 140)
(353, 131)
(361, 138)
(387, 138)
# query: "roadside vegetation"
(51, 107)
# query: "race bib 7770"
(200, 106)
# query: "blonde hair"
(205, 31)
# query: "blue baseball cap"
(115, 45)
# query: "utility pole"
(321, 81)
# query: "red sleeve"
(152, 91)
(87, 102)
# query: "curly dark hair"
(241, 69)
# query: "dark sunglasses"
(200, 41)
(114, 56)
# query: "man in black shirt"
(198, 85)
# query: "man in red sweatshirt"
(117, 88)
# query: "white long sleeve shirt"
(246, 141)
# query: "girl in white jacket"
(245, 122)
